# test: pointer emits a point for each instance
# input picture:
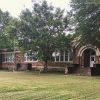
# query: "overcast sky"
(15, 6)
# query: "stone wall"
(8, 65)
(79, 71)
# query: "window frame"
(64, 56)
(28, 56)
(8, 57)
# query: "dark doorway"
(18, 66)
(29, 66)
(88, 53)
(95, 70)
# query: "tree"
(87, 18)
(7, 24)
(11, 32)
(43, 30)
(4, 20)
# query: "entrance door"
(92, 60)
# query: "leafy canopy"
(5, 41)
(43, 30)
(87, 18)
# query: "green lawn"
(32, 86)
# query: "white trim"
(31, 61)
(60, 57)
(92, 61)
(68, 55)
(64, 56)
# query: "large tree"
(4, 20)
(86, 15)
(43, 30)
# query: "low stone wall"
(58, 64)
(79, 70)
(52, 66)
(8, 65)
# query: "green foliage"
(6, 26)
(11, 32)
(87, 18)
(43, 30)
(4, 20)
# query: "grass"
(32, 86)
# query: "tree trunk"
(45, 66)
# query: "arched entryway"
(88, 57)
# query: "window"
(30, 56)
(92, 58)
(62, 56)
(66, 56)
(8, 57)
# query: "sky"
(14, 7)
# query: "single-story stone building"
(80, 60)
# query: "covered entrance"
(89, 62)
(89, 58)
